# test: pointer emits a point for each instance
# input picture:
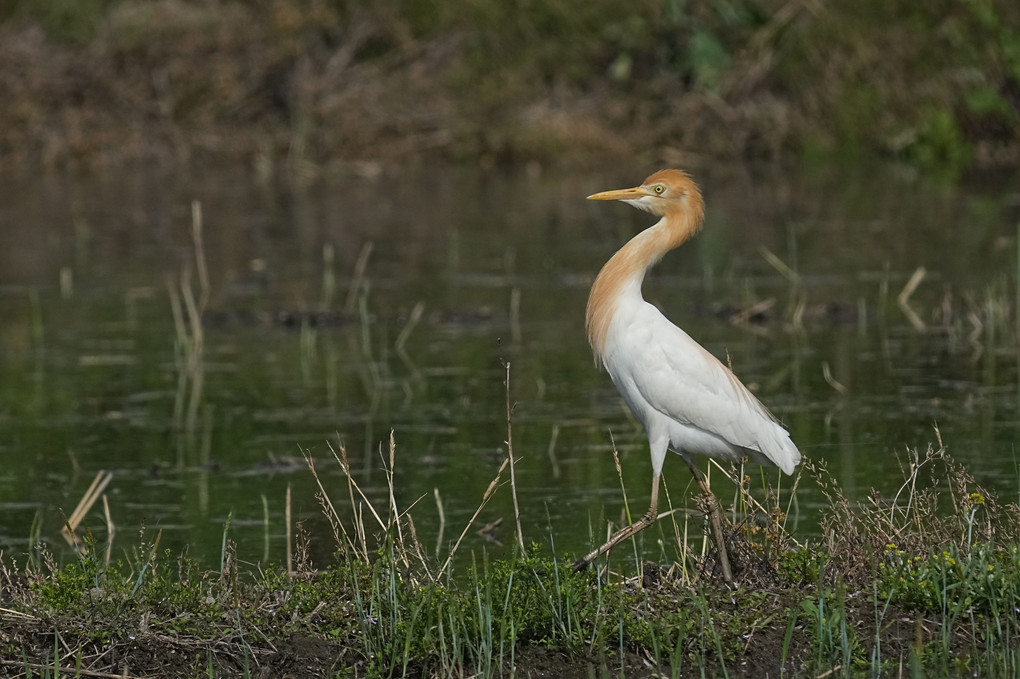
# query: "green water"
(462, 272)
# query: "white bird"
(686, 399)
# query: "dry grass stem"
(915, 518)
(485, 499)
(394, 518)
(510, 456)
(345, 467)
(110, 530)
(331, 514)
(290, 536)
(442, 520)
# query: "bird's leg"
(715, 520)
(633, 529)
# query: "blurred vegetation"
(937, 83)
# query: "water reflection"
(199, 369)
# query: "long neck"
(625, 271)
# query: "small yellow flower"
(977, 499)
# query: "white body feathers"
(686, 399)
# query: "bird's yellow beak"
(621, 194)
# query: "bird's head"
(667, 193)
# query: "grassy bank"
(924, 583)
(310, 81)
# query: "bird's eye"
(659, 188)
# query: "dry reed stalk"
(177, 309)
(551, 451)
(442, 519)
(405, 334)
(510, 456)
(359, 275)
(903, 299)
(200, 261)
(90, 497)
(188, 312)
(191, 305)
(110, 530)
(290, 536)
(485, 499)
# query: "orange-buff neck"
(626, 270)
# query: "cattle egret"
(686, 399)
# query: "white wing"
(663, 373)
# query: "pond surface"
(341, 308)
